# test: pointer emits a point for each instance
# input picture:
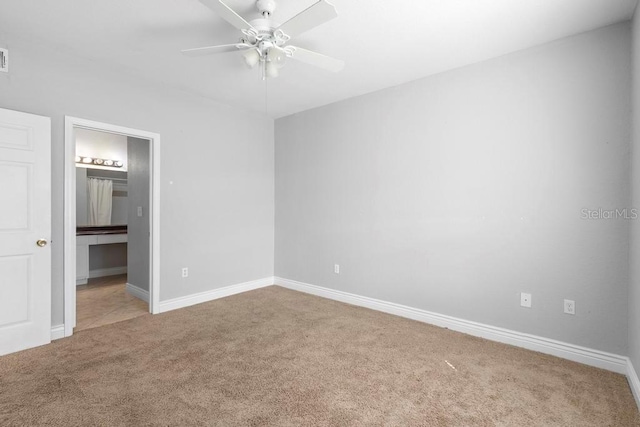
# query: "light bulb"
(87, 160)
(118, 164)
(78, 159)
(277, 56)
(108, 162)
(272, 70)
(251, 58)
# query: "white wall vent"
(4, 60)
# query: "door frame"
(70, 124)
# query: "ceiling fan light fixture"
(277, 56)
(271, 70)
(251, 58)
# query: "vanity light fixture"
(99, 162)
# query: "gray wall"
(634, 252)
(216, 217)
(82, 197)
(119, 208)
(138, 229)
(456, 192)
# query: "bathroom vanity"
(94, 235)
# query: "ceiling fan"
(264, 41)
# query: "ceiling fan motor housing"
(264, 27)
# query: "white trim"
(137, 292)
(70, 124)
(634, 382)
(591, 357)
(69, 259)
(154, 211)
(186, 301)
(104, 272)
(57, 332)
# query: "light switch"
(4, 60)
(139, 210)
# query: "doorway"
(111, 251)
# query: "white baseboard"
(591, 357)
(199, 298)
(103, 272)
(634, 382)
(137, 292)
(81, 282)
(57, 332)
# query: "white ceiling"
(384, 43)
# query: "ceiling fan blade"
(317, 14)
(201, 51)
(316, 59)
(227, 13)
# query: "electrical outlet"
(185, 272)
(336, 268)
(525, 300)
(569, 306)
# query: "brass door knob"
(42, 243)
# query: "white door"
(25, 231)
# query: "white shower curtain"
(100, 200)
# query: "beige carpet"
(282, 358)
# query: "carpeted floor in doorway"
(283, 358)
